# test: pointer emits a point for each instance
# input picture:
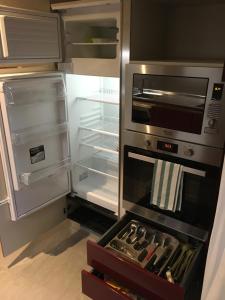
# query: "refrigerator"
(60, 130)
(57, 137)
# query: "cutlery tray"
(144, 245)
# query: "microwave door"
(36, 136)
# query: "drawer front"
(132, 276)
(97, 289)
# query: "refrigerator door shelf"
(43, 131)
(35, 90)
(30, 178)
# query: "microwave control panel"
(217, 91)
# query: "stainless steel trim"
(153, 160)
(125, 58)
(214, 74)
(168, 222)
(189, 151)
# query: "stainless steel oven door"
(176, 101)
(200, 185)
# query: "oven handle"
(146, 103)
(153, 160)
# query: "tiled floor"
(48, 268)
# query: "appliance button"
(148, 143)
(212, 123)
(188, 152)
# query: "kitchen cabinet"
(176, 30)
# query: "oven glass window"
(170, 102)
(199, 196)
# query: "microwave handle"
(153, 160)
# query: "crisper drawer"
(139, 280)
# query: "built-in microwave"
(179, 101)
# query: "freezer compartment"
(94, 286)
(139, 279)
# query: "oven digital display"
(169, 147)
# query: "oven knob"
(148, 143)
(212, 123)
(188, 152)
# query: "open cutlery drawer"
(132, 275)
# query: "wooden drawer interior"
(94, 286)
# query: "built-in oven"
(200, 185)
(183, 102)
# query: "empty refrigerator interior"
(93, 106)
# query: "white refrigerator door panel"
(35, 124)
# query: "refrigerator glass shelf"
(106, 127)
(98, 189)
(34, 133)
(101, 142)
(101, 166)
(107, 98)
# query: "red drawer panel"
(97, 289)
(132, 276)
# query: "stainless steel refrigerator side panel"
(214, 74)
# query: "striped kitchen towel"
(167, 185)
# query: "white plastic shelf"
(101, 142)
(99, 165)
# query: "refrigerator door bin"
(131, 275)
(44, 131)
(40, 193)
(29, 178)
